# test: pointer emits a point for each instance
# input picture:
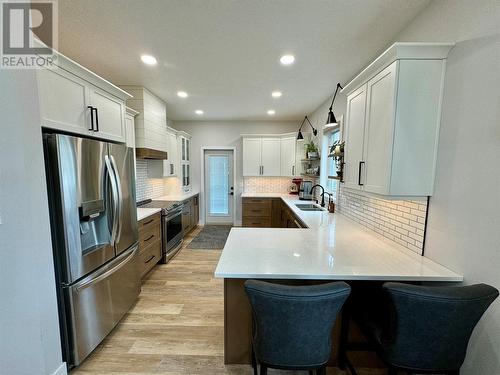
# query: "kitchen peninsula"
(332, 247)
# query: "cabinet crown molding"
(399, 51)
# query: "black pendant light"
(300, 136)
(331, 120)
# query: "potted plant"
(311, 150)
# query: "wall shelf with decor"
(310, 160)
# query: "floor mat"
(211, 237)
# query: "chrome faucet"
(322, 193)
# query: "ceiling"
(225, 53)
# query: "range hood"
(150, 154)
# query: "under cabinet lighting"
(199, 112)
(182, 94)
(271, 112)
(276, 94)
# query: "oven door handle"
(173, 214)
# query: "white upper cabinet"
(288, 146)
(354, 135)
(63, 101)
(109, 114)
(392, 121)
(252, 150)
(379, 128)
(170, 165)
(271, 157)
(75, 100)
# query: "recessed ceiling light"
(287, 59)
(276, 94)
(199, 112)
(149, 60)
(182, 94)
(271, 112)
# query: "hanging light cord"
(335, 95)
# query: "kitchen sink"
(308, 207)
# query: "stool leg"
(311, 372)
(254, 362)
(392, 371)
(263, 370)
(344, 332)
(321, 371)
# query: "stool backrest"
(430, 327)
(293, 324)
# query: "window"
(331, 169)
(218, 193)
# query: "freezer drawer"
(98, 302)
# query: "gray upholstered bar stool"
(293, 324)
(421, 329)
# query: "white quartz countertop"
(143, 213)
(266, 195)
(177, 197)
(332, 248)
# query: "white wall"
(463, 230)
(29, 329)
(226, 134)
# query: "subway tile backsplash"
(147, 188)
(402, 221)
(266, 184)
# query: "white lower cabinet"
(392, 124)
(75, 105)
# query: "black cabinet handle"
(359, 173)
(96, 120)
(91, 117)
(150, 259)
(149, 238)
(148, 222)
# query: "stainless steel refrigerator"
(91, 188)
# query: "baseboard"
(62, 370)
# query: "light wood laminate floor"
(176, 326)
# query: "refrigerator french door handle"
(87, 283)
(120, 198)
(114, 194)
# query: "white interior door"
(219, 189)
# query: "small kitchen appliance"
(295, 186)
(305, 191)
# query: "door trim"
(202, 179)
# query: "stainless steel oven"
(171, 231)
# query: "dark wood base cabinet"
(269, 213)
(190, 214)
(149, 242)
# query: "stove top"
(164, 205)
